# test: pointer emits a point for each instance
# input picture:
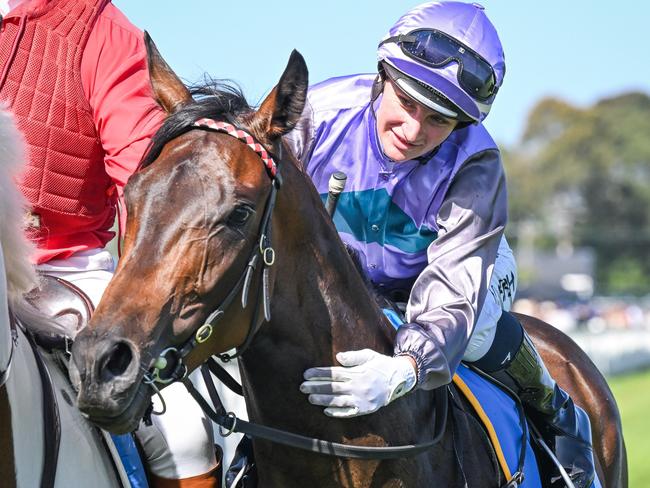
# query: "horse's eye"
(239, 216)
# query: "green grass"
(632, 394)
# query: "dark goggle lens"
(477, 78)
(431, 47)
(474, 73)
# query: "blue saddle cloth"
(502, 412)
(502, 416)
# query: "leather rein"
(170, 367)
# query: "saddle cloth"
(500, 418)
(498, 414)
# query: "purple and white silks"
(453, 207)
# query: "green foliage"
(626, 277)
(582, 174)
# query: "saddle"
(64, 303)
(70, 307)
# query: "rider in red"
(74, 73)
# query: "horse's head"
(196, 211)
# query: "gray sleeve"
(301, 139)
(444, 301)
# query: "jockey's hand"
(365, 382)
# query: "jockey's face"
(407, 129)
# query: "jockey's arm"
(443, 305)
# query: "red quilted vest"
(41, 45)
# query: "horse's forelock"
(214, 99)
(21, 276)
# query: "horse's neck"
(320, 290)
(7, 470)
(320, 303)
(83, 460)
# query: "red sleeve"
(116, 83)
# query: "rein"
(231, 423)
(169, 365)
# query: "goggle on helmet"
(446, 55)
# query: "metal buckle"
(234, 419)
(203, 334)
(516, 480)
(269, 256)
(268, 253)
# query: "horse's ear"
(281, 109)
(169, 91)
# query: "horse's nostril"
(118, 360)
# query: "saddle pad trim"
(462, 386)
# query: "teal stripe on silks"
(355, 215)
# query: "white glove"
(365, 382)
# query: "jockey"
(74, 73)
(424, 210)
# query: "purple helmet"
(447, 56)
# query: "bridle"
(170, 366)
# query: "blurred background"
(572, 120)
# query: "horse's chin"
(128, 419)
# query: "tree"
(591, 168)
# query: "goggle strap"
(397, 39)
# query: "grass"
(632, 394)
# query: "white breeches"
(500, 296)
(179, 443)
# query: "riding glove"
(365, 382)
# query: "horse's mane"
(215, 99)
(16, 249)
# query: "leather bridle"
(170, 366)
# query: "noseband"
(169, 366)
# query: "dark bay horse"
(196, 211)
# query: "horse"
(25, 428)
(210, 218)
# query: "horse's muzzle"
(105, 371)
